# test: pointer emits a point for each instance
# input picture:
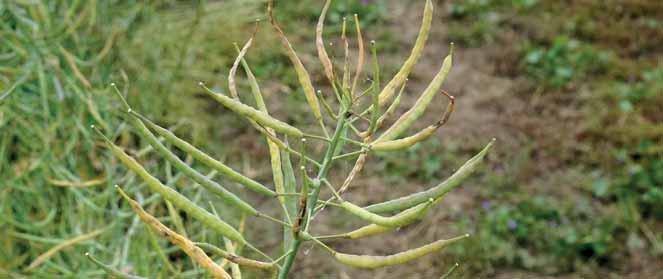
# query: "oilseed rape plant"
(355, 122)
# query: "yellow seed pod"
(254, 114)
(195, 253)
(320, 44)
(398, 220)
(374, 229)
(418, 137)
(179, 200)
(365, 261)
(417, 50)
(302, 74)
(406, 120)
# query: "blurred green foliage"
(563, 62)
(588, 49)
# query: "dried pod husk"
(436, 192)
(232, 257)
(360, 56)
(320, 44)
(365, 261)
(409, 117)
(194, 252)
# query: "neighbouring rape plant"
(358, 122)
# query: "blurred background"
(572, 90)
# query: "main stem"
(313, 198)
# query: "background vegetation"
(572, 90)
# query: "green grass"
(58, 59)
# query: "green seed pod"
(398, 220)
(195, 253)
(115, 273)
(302, 74)
(412, 213)
(436, 192)
(290, 186)
(180, 201)
(254, 114)
(406, 120)
(417, 50)
(186, 169)
(364, 261)
(418, 137)
(390, 110)
(207, 159)
(375, 108)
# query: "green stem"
(313, 198)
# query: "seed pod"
(184, 243)
(207, 159)
(240, 57)
(289, 186)
(373, 229)
(115, 273)
(234, 267)
(364, 261)
(375, 108)
(390, 110)
(235, 258)
(196, 176)
(406, 120)
(274, 149)
(51, 252)
(174, 197)
(302, 74)
(254, 114)
(418, 137)
(360, 55)
(398, 220)
(436, 192)
(320, 45)
(417, 50)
